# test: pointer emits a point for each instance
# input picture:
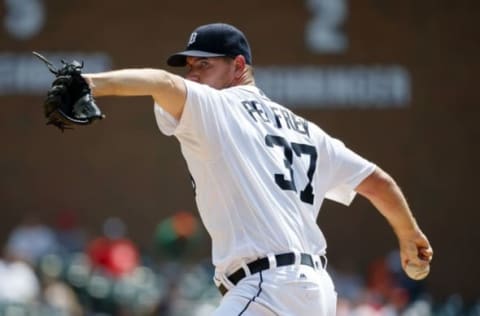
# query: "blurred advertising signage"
(23, 73)
(309, 86)
(353, 86)
(357, 86)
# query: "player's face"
(217, 72)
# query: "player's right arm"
(386, 196)
(167, 89)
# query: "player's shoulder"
(205, 91)
(246, 90)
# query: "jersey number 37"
(306, 195)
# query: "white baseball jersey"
(261, 172)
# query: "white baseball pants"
(294, 290)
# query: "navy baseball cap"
(213, 40)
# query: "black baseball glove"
(69, 101)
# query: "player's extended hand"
(416, 254)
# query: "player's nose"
(193, 76)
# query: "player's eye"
(204, 64)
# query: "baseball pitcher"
(261, 173)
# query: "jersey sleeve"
(346, 170)
(199, 128)
(165, 121)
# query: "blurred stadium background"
(102, 221)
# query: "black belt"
(261, 264)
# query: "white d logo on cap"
(192, 39)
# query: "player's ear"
(239, 63)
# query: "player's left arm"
(167, 89)
(384, 193)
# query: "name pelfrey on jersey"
(281, 117)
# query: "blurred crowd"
(58, 269)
